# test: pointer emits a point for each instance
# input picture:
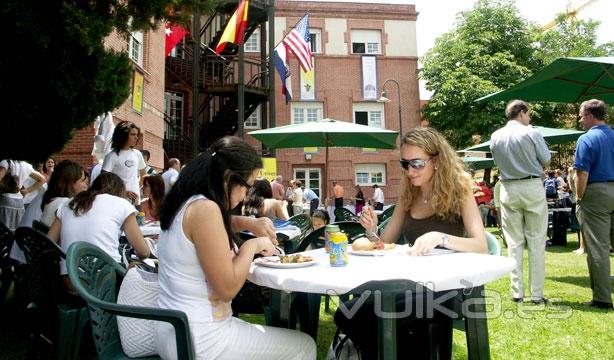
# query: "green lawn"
(562, 330)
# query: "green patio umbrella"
(551, 135)
(326, 133)
(565, 80)
(478, 163)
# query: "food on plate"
(364, 244)
(298, 258)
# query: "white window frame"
(178, 51)
(374, 110)
(252, 44)
(307, 180)
(371, 171)
(309, 111)
(170, 100)
(316, 40)
(370, 39)
(136, 47)
(253, 121)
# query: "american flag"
(299, 42)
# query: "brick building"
(346, 38)
(146, 50)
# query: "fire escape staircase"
(218, 81)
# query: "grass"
(564, 329)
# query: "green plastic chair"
(303, 222)
(7, 270)
(96, 277)
(343, 214)
(353, 229)
(386, 214)
(44, 294)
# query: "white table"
(438, 272)
(150, 229)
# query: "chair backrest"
(343, 214)
(40, 226)
(494, 248)
(96, 277)
(313, 239)
(386, 214)
(353, 229)
(303, 222)
(43, 259)
(6, 241)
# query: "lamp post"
(385, 99)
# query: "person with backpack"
(550, 185)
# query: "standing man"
(521, 154)
(313, 200)
(594, 164)
(378, 198)
(171, 174)
(148, 169)
(338, 195)
(278, 188)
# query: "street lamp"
(385, 99)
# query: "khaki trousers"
(595, 213)
(524, 218)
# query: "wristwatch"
(445, 239)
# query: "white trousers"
(524, 218)
(235, 339)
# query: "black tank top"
(414, 228)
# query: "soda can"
(329, 229)
(338, 249)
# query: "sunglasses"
(417, 164)
(242, 181)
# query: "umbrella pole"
(326, 172)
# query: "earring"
(436, 168)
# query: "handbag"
(138, 336)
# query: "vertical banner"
(308, 83)
(369, 78)
(269, 168)
(137, 92)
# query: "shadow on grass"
(582, 281)
(579, 307)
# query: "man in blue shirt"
(312, 198)
(594, 164)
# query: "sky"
(436, 17)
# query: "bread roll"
(362, 244)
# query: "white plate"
(273, 262)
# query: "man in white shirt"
(171, 175)
(378, 198)
(125, 161)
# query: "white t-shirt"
(23, 170)
(127, 165)
(378, 195)
(169, 176)
(49, 213)
(101, 225)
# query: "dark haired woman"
(48, 167)
(125, 161)
(201, 270)
(98, 216)
(67, 180)
(153, 191)
(260, 202)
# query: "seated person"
(153, 193)
(201, 268)
(436, 208)
(67, 180)
(319, 219)
(11, 202)
(98, 216)
(260, 202)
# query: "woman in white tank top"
(201, 269)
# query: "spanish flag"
(235, 30)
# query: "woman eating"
(153, 193)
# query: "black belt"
(525, 178)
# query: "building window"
(135, 47)
(370, 114)
(316, 40)
(253, 121)
(369, 174)
(306, 112)
(179, 50)
(252, 44)
(173, 114)
(366, 41)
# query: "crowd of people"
(202, 267)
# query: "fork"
(281, 251)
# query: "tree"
(57, 75)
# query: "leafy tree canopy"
(492, 48)
(57, 75)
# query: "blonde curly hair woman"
(436, 205)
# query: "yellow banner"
(269, 168)
(308, 83)
(137, 92)
(310, 150)
(369, 150)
